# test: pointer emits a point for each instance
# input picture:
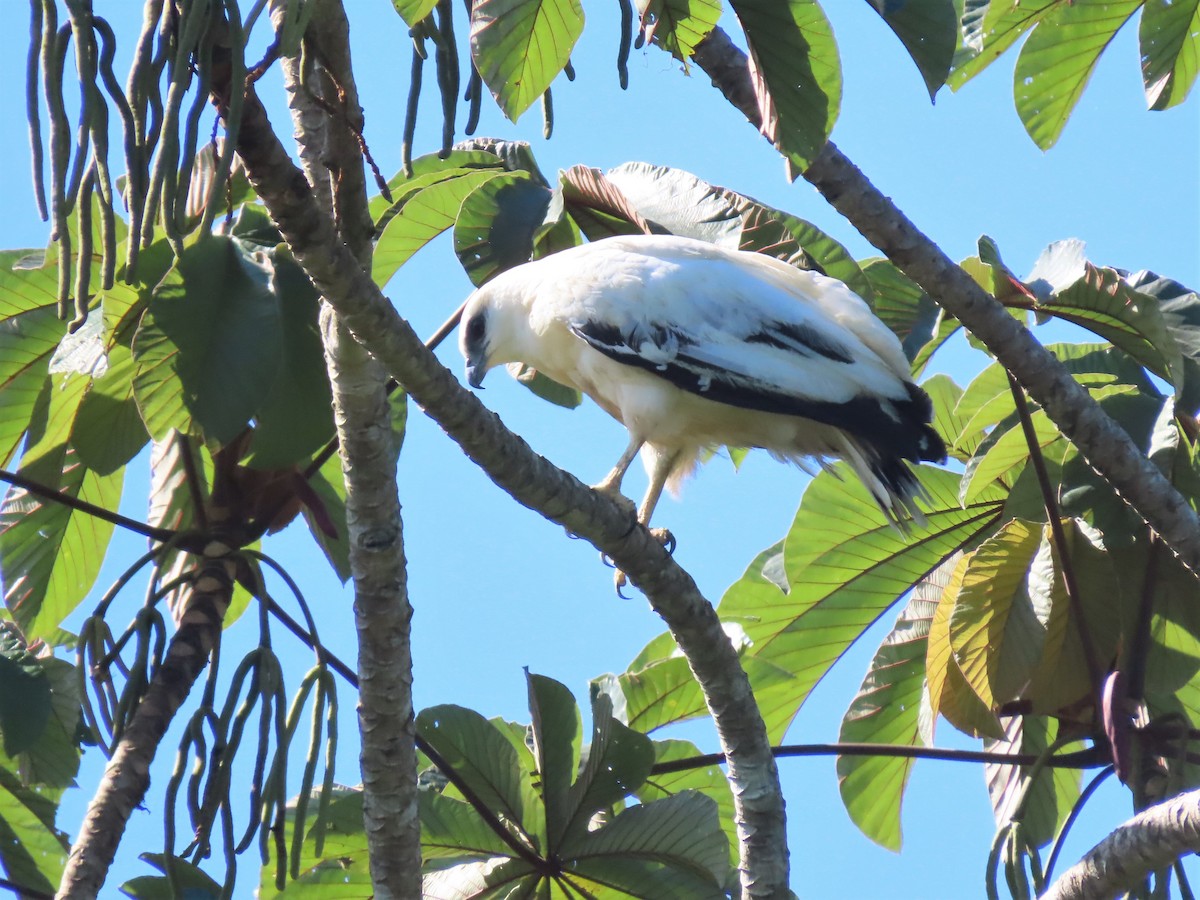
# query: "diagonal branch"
(1150, 841)
(327, 120)
(1104, 444)
(537, 484)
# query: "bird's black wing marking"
(802, 339)
(897, 427)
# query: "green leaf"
(193, 882)
(929, 31)
(557, 733)
(903, 306)
(1103, 302)
(295, 418)
(680, 203)
(846, 565)
(108, 430)
(991, 28)
(24, 693)
(946, 396)
(886, 712)
(1169, 40)
(546, 388)
(1002, 612)
(520, 46)
(1047, 802)
(426, 207)
(32, 851)
(681, 831)
(1002, 451)
(948, 690)
(679, 25)
(29, 334)
(1057, 60)
(413, 11)
(330, 487)
(208, 349)
(666, 692)
(341, 869)
(452, 829)
(802, 244)
(51, 762)
(50, 554)
(708, 780)
(480, 754)
(796, 72)
(496, 224)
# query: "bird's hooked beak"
(477, 368)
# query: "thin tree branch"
(91, 509)
(127, 776)
(1104, 444)
(328, 125)
(539, 485)
(1151, 840)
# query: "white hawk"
(692, 347)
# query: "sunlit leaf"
(904, 307)
(989, 28)
(413, 11)
(796, 73)
(108, 430)
(190, 881)
(886, 712)
(1057, 60)
(679, 25)
(846, 566)
(32, 851)
(1047, 802)
(766, 230)
(421, 213)
(520, 46)
(1169, 39)
(708, 780)
(50, 554)
(1000, 618)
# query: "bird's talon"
(619, 582)
(607, 560)
(664, 537)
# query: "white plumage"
(692, 347)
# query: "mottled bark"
(1104, 444)
(1149, 842)
(326, 132)
(543, 487)
(127, 776)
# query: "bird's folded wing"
(775, 367)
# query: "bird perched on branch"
(692, 346)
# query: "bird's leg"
(611, 485)
(663, 465)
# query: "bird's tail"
(891, 482)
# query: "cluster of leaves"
(795, 61)
(532, 809)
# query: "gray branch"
(326, 133)
(542, 487)
(1149, 842)
(1104, 444)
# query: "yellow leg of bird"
(658, 479)
(611, 485)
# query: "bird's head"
(476, 336)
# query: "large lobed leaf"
(1169, 38)
(520, 46)
(796, 73)
(845, 565)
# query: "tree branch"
(539, 485)
(127, 776)
(1151, 840)
(326, 126)
(1104, 444)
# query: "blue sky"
(497, 588)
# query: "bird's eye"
(475, 328)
